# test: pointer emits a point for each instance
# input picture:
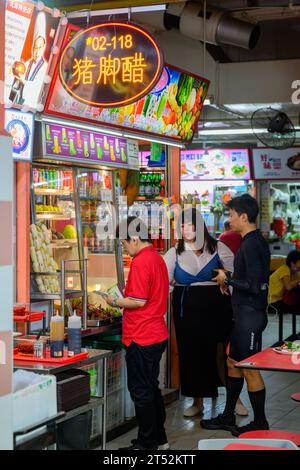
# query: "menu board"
(215, 164)
(276, 164)
(29, 37)
(20, 126)
(171, 109)
(70, 142)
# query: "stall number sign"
(110, 64)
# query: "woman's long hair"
(210, 243)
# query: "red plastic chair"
(272, 434)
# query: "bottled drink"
(48, 132)
(157, 185)
(72, 147)
(86, 149)
(148, 187)
(74, 334)
(46, 179)
(64, 136)
(57, 335)
(142, 184)
(162, 186)
(99, 151)
(36, 176)
(92, 141)
(78, 139)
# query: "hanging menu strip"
(72, 143)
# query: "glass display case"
(74, 207)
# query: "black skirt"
(202, 319)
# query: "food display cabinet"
(72, 209)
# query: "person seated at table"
(283, 295)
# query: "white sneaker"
(241, 410)
(193, 411)
(165, 446)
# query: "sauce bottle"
(57, 335)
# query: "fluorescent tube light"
(231, 131)
(151, 139)
(116, 11)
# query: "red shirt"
(148, 280)
(232, 240)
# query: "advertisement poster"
(171, 109)
(110, 64)
(215, 164)
(70, 142)
(29, 36)
(20, 126)
(276, 164)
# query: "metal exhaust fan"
(273, 128)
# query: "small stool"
(296, 396)
(272, 434)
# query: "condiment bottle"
(57, 335)
(74, 334)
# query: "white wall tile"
(6, 432)
(6, 298)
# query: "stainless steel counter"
(48, 368)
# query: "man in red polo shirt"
(144, 332)
(231, 238)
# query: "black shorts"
(246, 337)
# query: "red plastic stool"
(272, 434)
(296, 396)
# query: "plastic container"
(57, 335)
(35, 402)
(220, 444)
(74, 334)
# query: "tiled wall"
(6, 291)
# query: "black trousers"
(142, 374)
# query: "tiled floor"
(282, 412)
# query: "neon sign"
(110, 64)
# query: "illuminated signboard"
(20, 126)
(274, 164)
(29, 38)
(214, 164)
(170, 109)
(110, 64)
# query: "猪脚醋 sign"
(110, 64)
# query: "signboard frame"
(123, 128)
(214, 178)
(132, 28)
(28, 126)
(293, 176)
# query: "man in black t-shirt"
(249, 302)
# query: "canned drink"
(39, 348)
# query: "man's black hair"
(245, 204)
(292, 257)
(132, 223)
(227, 225)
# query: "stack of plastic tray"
(73, 389)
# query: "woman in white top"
(202, 315)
